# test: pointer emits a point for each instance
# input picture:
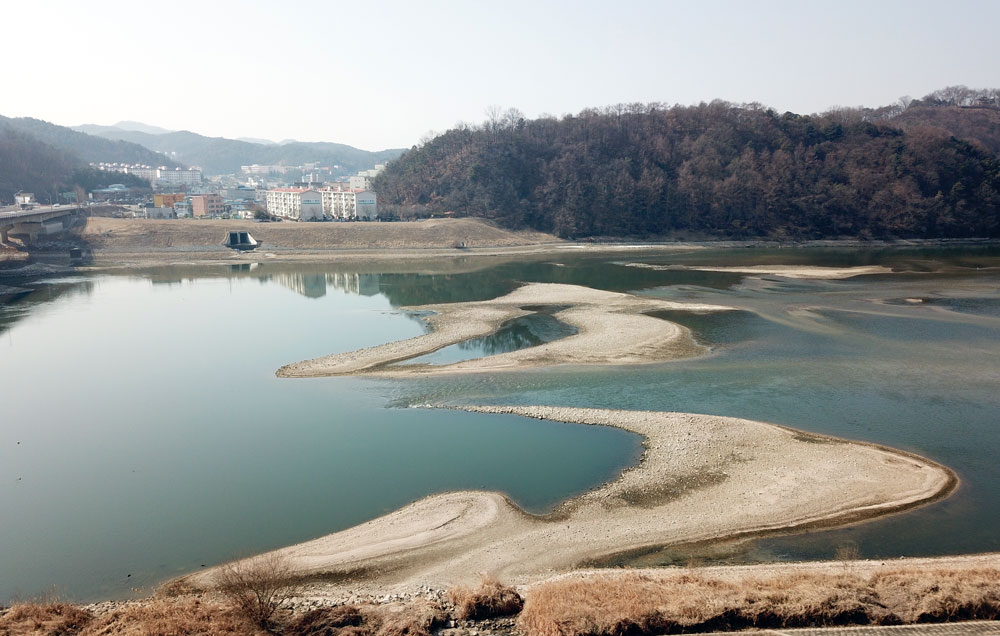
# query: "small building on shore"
(25, 200)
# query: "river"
(143, 432)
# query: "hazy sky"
(382, 74)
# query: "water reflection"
(34, 294)
(314, 285)
(520, 333)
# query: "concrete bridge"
(28, 225)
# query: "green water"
(154, 437)
(520, 333)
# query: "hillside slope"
(89, 148)
(718, 169)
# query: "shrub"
(490, 599)
(258, 586)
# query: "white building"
(24, 200)
(171, 177)
(300, 204)
(143, 172)
(363, 180)
(349, 204)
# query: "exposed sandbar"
(701, 477)
(602, 319)
(786, 271)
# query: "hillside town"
(260, 191)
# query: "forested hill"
(86, 147)
(718, 169)
(29, 164)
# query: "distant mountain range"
(45, 158)
(39, 157)
(86, 147)
(218, 155)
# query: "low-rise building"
(167, 200)
(207, 205)
(302, 204)
(24, 200)
(182, 209)
(161, 213)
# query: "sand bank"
(786, 271)
(701, 477)
(600, 317)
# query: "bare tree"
(258, 586)
(494, 117)
(513, 119)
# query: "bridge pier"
(3, 236)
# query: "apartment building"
(301, 204)
(207, 205)
(349, 204)
(175, 177)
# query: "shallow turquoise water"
(144, 433)
(154, 437)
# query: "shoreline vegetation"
(606, 603)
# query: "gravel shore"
(701, 477)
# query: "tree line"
(720, 169)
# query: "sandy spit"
(701, 477)
(786, 271)
(600, 317)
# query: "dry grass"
(638, 604)
(420, 618)
(51, 618)
(327, 621)
(126, 234)
(489, 600)
(173, 617)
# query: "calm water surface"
(143, 431)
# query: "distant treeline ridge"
(918, 168)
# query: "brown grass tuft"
(51, 618)
(417, 619)
(172, 617)
(329, 621)
(490, 599)
(640, 604)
